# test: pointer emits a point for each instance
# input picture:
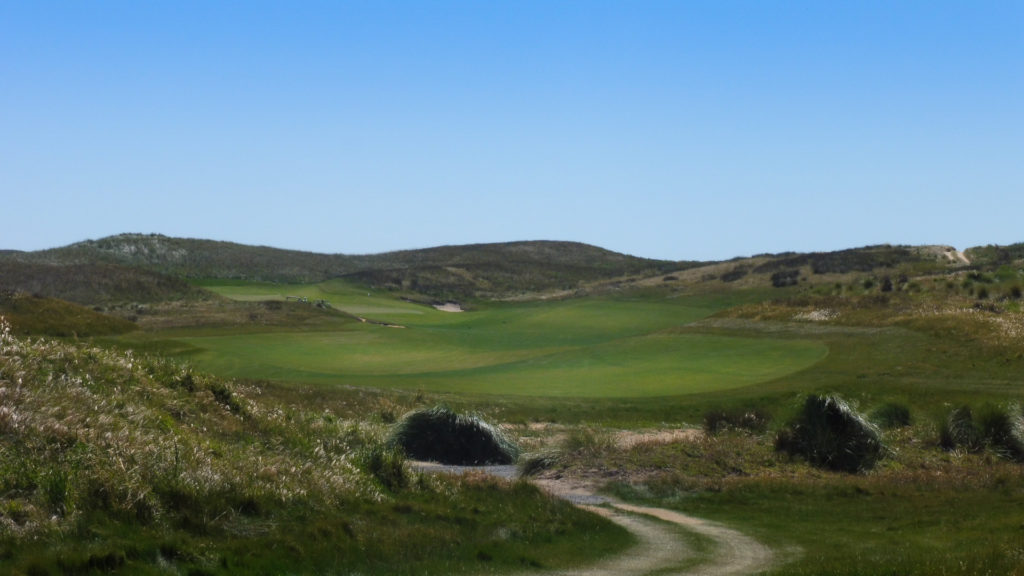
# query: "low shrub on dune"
(999, 428)
(829, 433)
(438, 434)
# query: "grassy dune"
(112, 462)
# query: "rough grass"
(112, 461)
(93, 283)
(891, 415)
(959, 517)
(41, 316)
(921, 510)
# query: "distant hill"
(153, 267)
(191, 258)
(93, 283)
(496, 270)
(447, 271)
(863, 259)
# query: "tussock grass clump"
(831, 434)
(958, 430)
(386, 464)
(442, 435)
(999, 428)
(533, 464)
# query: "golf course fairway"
(586, 348)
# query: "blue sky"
(678, 130)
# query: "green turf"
(595, 347)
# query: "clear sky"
(677, 130)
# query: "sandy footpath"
(659, 548)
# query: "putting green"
(595, 347)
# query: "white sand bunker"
(449, 307)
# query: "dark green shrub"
(891, 415)
(735, 274)
(186, 381)
(1002, 430)
(439, 434)
(386, 464)
(784, 278)
(959, 431)
(223, 395)
(829, 433)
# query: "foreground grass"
(926, 513)
(111, 462)
(922, 510)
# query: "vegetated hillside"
(193, 258)
(95, 283)
(112, 462)
(487, 270)
(863, 259)
(37, 315)
(449, 270)
(869, 263)
(496, 270)
(994, 256)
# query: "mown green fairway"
(596, 347)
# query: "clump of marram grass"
(999, 428)
(441, 435)
(831, 434)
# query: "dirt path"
(659, 548)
